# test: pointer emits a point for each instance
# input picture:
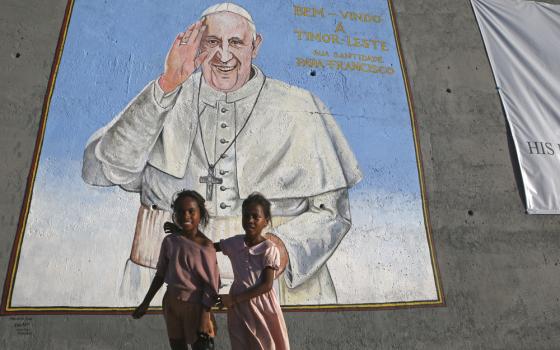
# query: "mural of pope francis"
(215, 123)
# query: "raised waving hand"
(183, 57)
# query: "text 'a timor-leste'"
(332, 49)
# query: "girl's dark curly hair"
(258, 199)
(204, 217)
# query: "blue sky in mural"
(108, 58)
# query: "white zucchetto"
(228, 7)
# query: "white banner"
(522, 39)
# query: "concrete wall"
(499, 266)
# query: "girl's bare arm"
(143, 307)
(264, 286)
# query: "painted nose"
(225, 54)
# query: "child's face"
(187, 214)
(254, 220)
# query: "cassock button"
(223, 188)
(224, 205)
(154, 207)
(224, 110)
(223, 172)
(223, 141)
(223, 125)
(223, 156)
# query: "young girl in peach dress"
(188, 264)
(254, 317)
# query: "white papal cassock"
(291, 150)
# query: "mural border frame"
(7, 309)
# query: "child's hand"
(170, 227)
(206, 325)
(140, 311)
(226, 300)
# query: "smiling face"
(254, 220)
(187, 214)
(228, 40)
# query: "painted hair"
(256, 198)
(204, 216)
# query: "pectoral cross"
(210, 180)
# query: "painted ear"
(256, 45)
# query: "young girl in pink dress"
(254, 317)
(188, 264)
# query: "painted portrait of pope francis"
(215, 122)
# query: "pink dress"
(256, 324)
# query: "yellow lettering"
(320, 53)
(313, 36)
(366, 43)
(309, 62)
(308, 11)
(360, 17)
(339, 28)
(359, 67)
(357, 56)
(326, 38)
